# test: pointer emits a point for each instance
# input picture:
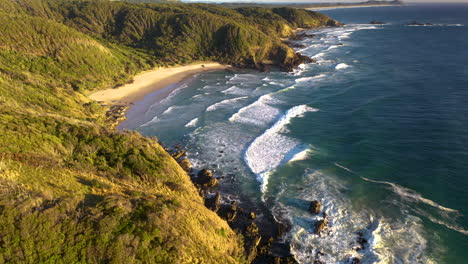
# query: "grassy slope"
(70, 189)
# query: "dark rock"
(415, 23)
(295, 45)
(205, 179)
(252, 241)
(178, 154)
(213, 203)
(228, 212)
(320, 225)
(302, 36)
(252, 229)
(377, 22)
(314, 207)
(186, 165)
(361, 241)
(355, 260)
(291, 63)
(252, 215)
(334, 23)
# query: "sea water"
(377, 130)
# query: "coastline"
(344, 6)
(151, 81)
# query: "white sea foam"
(241, 78)
(169, 110)
(192, 123)
(437, 25)
(318, 55)
(389, 241)
(224, 103)
(268, 150)
(259, 113)
(342, 66)
(301, 155)
(308, 79)
(235, 90)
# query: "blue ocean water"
(377, 130)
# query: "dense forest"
(72, 190)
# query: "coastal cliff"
(71, 188)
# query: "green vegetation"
(71, 189)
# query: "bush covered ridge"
(71, 189)
(183, 33)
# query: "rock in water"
(185, 164)
(252, 215)
(376, 22)
(178, 154)
(334, 23)
(228, 212)
(320, 225)
(314, 207)
(205, 178)
(213, 203)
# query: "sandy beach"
(151, 81)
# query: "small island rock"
(314, 207)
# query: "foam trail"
(410, 194)
(344, 168)
(192, 123)
(269, 149)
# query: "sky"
(326, 1)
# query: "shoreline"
(151, 81)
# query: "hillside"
(71, 189)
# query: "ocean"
(377, 130)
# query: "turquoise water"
(377, 130)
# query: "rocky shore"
(264, 240)
(263, 235)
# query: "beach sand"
(151, 81)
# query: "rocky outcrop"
(185, 165)
(314, 207)
(301, 36)
(229, 211)
(178, 154)
(320, 225)
(116, 114)
(262, 234)
(290, 63)
(416, 23)
(377, 22)
(205, 179)
(213, 203)
(334, 23)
